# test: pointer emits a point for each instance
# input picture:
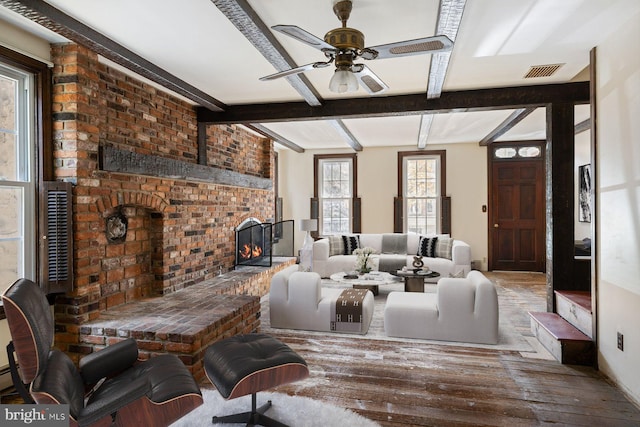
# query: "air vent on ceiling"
(542, 70)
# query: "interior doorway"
(517, 206)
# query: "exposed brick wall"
(180, 232)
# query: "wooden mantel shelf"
(123, 161)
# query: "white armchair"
(464, 309)
(298, 301)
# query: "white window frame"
(25, 181)
(437, 197)
(345, 198)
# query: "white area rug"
(509, 337)
(295, 411)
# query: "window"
(524, 152)
(17, 176)
(335, 193)
(421, 188)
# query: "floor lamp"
(306, 253)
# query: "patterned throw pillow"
(458, 275)
(351, 243)
(443, 248)
(427, 246)
(336, 245)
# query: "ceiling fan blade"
(421, 46)
(296, 70)
(303, 36)
(369, 81)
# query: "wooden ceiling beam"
(449, 102)
(55, 20)
(504, 127)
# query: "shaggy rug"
(295, 411)
(510, 338)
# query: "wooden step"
(575, 308)
(567, 344)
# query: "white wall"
(377, 186)
(618, 204)
(21, 41)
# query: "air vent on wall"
(542, 70)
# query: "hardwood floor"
(425, 384)
(447, 385)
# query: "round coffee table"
(414, 281)
(370, 281)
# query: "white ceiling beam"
(247, 21)
(449, 18)
(265, 131)
(508, 124)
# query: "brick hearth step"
(186, 322)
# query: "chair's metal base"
(254, 418)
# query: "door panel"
(516, 228)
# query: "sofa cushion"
(444, 246)
(427, 246)
(336, 245)
(351, 243)
(394, 244)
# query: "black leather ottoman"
(247, 364)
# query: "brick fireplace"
(180, 232)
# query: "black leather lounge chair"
(122, 392)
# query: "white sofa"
(459, 263)
(298, 301)
(462, 309)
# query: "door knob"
(496, 226)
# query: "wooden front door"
(517, 215)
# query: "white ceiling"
(498, 41)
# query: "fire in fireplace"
(258, 242)
(253, 243)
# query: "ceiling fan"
(344, 45)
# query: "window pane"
(8, 89)
(421, 193)
(11, 266)
(17, 185)
(11, 237)
(529, 152)
(8, 131)
(505, 153)
(336, 179)
(335, 216)
(335, 191)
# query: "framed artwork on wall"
(584, 193)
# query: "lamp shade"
(343, 81)
(309, 224)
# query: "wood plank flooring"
(444, 385)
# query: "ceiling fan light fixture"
(343, 80)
